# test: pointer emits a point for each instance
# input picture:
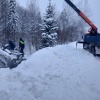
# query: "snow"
(44, 35)
(50, 20)
(54, 73)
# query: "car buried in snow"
(10, 58)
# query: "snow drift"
(57, 73)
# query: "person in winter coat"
(11, 45)
(21, 46)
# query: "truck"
(91, 39)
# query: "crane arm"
(82, 15)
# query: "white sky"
(94, 5)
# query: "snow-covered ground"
(59, 73)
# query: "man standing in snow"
(21, 46)
(11, 45)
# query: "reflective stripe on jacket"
(22, 42)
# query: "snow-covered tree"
(35, 20)
(12, 27)
(49, 27)
(72, 26)
(64, 24)
(3, 20)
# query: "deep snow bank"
(59, 73)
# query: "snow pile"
(59, 73)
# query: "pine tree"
(12, 27)
(49, 27)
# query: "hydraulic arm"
(94, 28)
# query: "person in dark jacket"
(21, 46)
(11, 45)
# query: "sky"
(63, 73)
(94, 6)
